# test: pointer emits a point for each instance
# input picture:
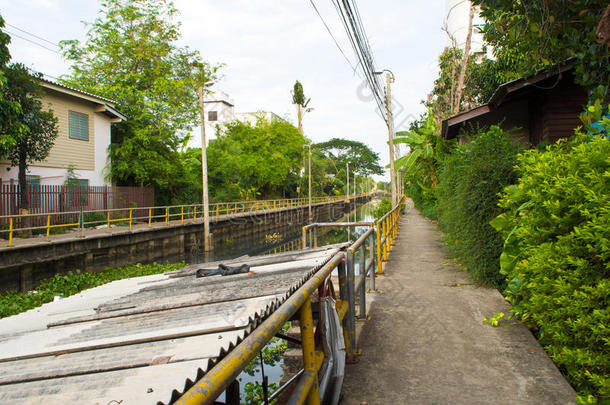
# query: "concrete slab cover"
(143, 340)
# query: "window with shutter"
(78, 126)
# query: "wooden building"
(544, 107)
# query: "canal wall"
(23, 267)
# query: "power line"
(33, 35)
(332, 36)
(355, 31)
(12, 34)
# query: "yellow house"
(83, 121)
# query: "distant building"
(220, 110)
(83, 121)
(456, 17)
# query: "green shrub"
(423, 198)
(12, 303)
(384, 206)
(557, 245)
(468, 191)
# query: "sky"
(265, 45)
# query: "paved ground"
(425, 343)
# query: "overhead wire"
(12, 34)
(363, 54)
(333, 37)
(32, 35)
(354, 28)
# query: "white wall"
(57, 176)
(456, 16)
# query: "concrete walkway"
(425, 343)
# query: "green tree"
(247, 160)
(362, 159)
(131, 56)
(30, 131)
(299, 99)
(8, 108)
(482, 78)
(549, 32)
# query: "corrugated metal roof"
(142, 340)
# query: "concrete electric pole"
(347, 182)
(204, 172)
(310, 217)
(389, 79)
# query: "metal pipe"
(309, 355)
(211, 385)
(361, 239)
(351, 325)
(277, 392)
(373, 260)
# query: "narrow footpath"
(425, 344)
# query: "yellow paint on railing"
(379, 263)
(48, 226)
(310, 354)
(182, 214)
(130, 217)
(167, 215)
(149, 217)
(10, 232)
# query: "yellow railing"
(45, 224)
(352, 293)
(386, 229)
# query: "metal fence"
(299, 306)
(50, 199)
(46, 223)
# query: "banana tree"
(420, 162)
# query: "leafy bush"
(384, 206)
(12, 303)
(557, 245)
(468, 191)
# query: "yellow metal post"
(130, 216)
(379, 264)
(48, 226)
(182, 214)
(386, 234)
(108, 219)
(167, 215)
(149, 217)
(309, 350)
(10, 232)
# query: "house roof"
(143, 340)
(105, 105)
(502, 94)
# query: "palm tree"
(298, 98)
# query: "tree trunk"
(24, 199)
(300, 118)
(460, 86)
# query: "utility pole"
(388, 92)
(310, 218)
(347, 182)
(204, 173)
